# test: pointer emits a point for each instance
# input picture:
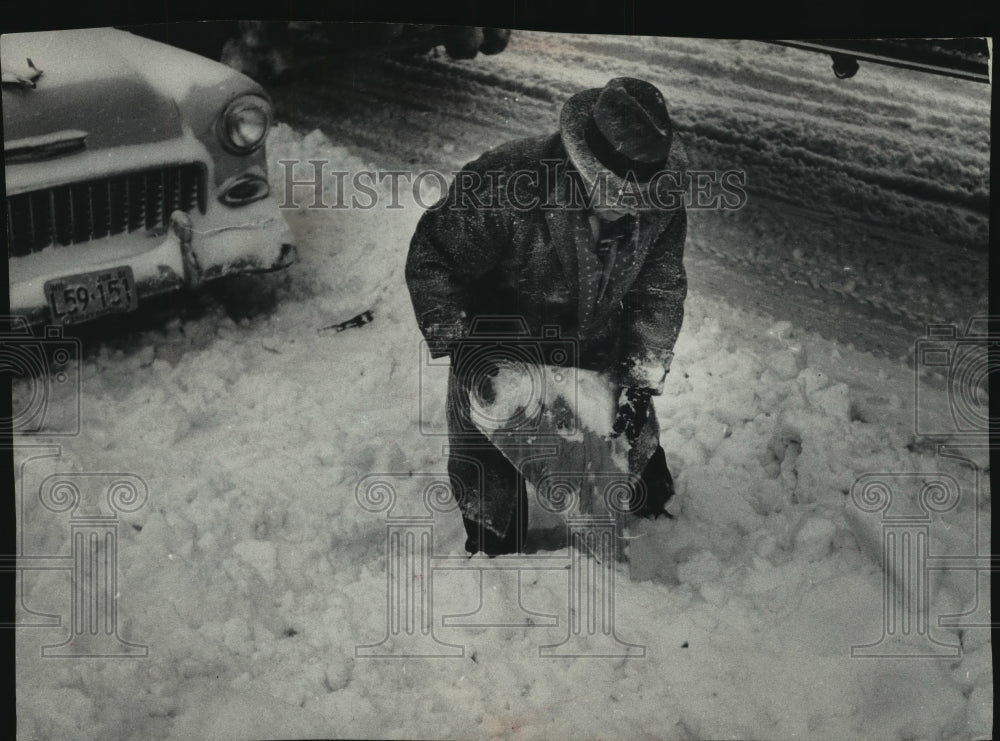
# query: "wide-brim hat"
(621, 134)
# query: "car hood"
(95, 81)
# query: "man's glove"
(633, 410)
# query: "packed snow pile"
(286, 466)
(253, 575)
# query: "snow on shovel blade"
(555, 425)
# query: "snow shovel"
(555, 425)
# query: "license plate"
(80, 298)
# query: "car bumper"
(194, 249)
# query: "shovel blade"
(555, 426)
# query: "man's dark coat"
(508, 240)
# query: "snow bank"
(254, 572)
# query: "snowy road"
(774, 113)
(253, 573)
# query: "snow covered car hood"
(112, 87)
(76, 72)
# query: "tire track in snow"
(733, 102)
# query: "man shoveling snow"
(565, 251)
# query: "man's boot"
(483, 539)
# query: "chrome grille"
(120, 204)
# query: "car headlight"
(244, 124)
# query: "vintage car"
(132, 168)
